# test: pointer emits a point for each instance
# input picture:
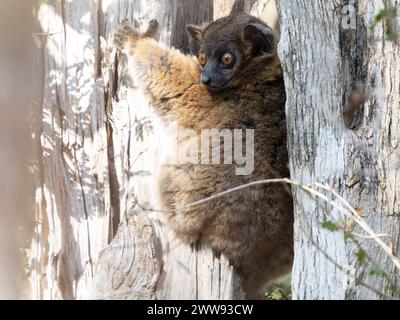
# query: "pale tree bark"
(74, 212)
(324, 62)
(100, 151)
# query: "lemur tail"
(238, 7)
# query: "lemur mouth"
(219, 87)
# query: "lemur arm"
(163, 73)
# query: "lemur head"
(236, 50)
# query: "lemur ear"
(261, 37)
(194, 32)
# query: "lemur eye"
(202, 59)
(227, 59)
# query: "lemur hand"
(125, 33)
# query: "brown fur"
(253, 227)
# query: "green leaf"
(377, 273)
(390, 36)
(348, 236)
(386, 15)
(361, 257)
(380, 15)
(329, 225)
(392, 289)
(276, 295)
(279, 291)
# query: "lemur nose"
(205, 79)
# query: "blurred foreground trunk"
(18, 103)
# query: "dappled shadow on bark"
(75, 186)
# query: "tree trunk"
(17, 102)
(324, 61)
(99, 149)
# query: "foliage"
(279, 291)
(388, 15)
(330, 226)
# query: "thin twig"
(224, 193)
(348, 272)
(351, 213)
(357, 235)
(309, 235)
(376, 265)
(357, 217)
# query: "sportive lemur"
(236, 82)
